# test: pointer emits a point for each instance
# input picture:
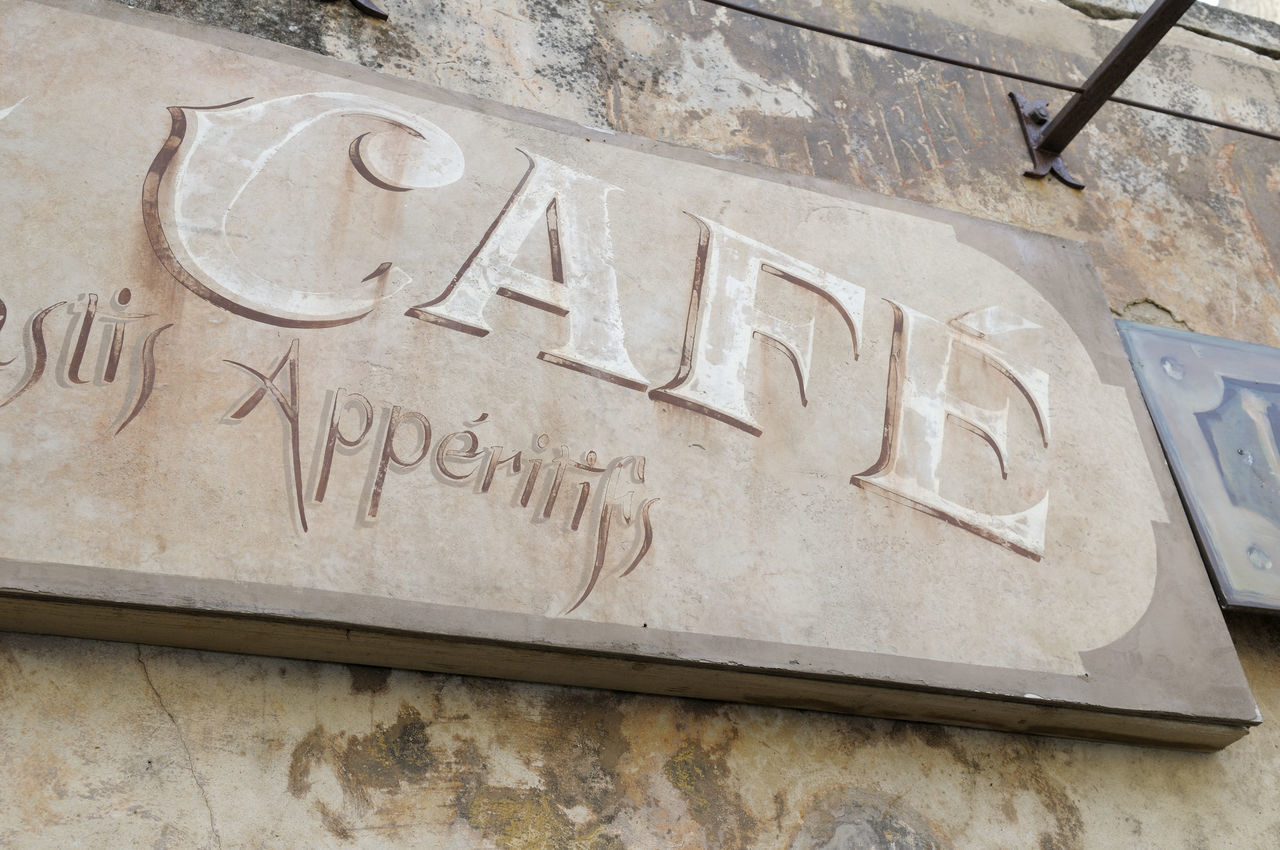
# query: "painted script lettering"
(342, 400)
(287, 403)
(88, 312)
(389, 455)
(405, 442)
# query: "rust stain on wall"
(939, 738)
(368, 680)
(574, 745)
(333, 822)
(703, 779)
(390, 755)
(1068, 821)
(852, 817)
(530, 819)
(382, 759)
(310, 750)
(570, 749)
(516, 818)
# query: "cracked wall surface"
(113, 745)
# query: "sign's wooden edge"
(263, 620)
(335, 642)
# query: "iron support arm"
(1047, 141)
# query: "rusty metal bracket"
(370, 9)
(1048, 138)
(1032, 116)
(367, 7)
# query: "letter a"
(583, 284)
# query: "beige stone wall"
(118, 745)
(1268, 10)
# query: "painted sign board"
(304, 361)
(1215, 403)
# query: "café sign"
(298, 360)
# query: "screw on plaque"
(1033, 115)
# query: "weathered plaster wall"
(110, 745)
(115, 745)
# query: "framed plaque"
(1216, 404)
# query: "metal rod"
(1139, 41)
(885, 45)
(976, 66)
